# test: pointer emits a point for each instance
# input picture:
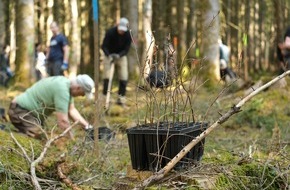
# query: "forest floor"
(249, 151)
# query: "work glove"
(64, 66)
(89, 132)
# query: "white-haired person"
(28, 111)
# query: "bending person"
(29, 110)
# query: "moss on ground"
(254, 176)
(239, 150)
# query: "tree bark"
(149, 39)
(75, 50)
(24, 42)
(2, 23)
(210, 32)
(133, 17)
(181, 36)
(87, 36)
(191, 28)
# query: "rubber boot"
(122, 87)
(122, 92)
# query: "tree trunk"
(2, 23)
(132, 15)
(149, 39)
(87, 36)
(191, 28)
(58, 13)
(210, 47)
(245, 58)
(40, 21)
(24, 42)
(10, 31)
(159, 27)
(75, 39)
(234, 32)
(67, 18)
(49, 20)
(181, 32)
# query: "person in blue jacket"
(57, 52)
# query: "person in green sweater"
(28, 111)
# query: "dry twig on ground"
(34, 163)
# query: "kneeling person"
(29, 110)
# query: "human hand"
(89, 130)
(64, 66)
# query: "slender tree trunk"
(67, 18)
(149, 39)
(10, 31)
(58, 9)
(210, 47)
(234, 30)
(39, 21)
(263, 62)
(133, 17)
(279, 21)
(245, 57)
(191, 29)
(24, 41)
(159, 28)
(49, 20)
(87, 36)
(181, 32)
(75, 39)
(2, 22)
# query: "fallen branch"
(235, 109)
(65, 179)
(34, 163)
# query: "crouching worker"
(226, 73)
(29, 110)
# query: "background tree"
(181, 37)
(24, 41)
(75, 51)
(133, 16)
(2, 22)
(87, 34)
(210, 32)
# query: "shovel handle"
(112, 70)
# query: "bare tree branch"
(235, 109)
(34, 163)
(21, 147)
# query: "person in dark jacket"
(284, 52)
(116, 45)
(5, 72)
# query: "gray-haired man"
(28, 111)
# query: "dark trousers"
(25, 121)
(227, 71)
(54, 68)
